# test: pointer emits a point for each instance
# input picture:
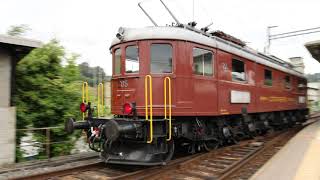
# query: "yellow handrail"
(100, 99)
(148, 80)
(165, 81)
(85, 95)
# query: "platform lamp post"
(267, 48)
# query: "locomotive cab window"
(267, 77)
(132, 59)
(202, 62)
(287, 82)
(301, 85)
(117, 61)
(238, 70)
(161, 58)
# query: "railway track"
(234, 162)
(238, 161)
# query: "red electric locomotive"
(179, 86)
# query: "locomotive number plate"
(123, 83)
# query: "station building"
(314, 49)
(314, 87)
(12, 50)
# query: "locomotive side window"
(287, 82)
(202, 62)
(238, 73)
(132, 59)
(117, 61)
(301, 85)
(161, 58)
(267, 77)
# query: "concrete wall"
(5, 79)
(7, 113)
(7, 135)
(314, 96)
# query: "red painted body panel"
(194, 95)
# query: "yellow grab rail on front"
(85, 95)
(148, 105)
(100, 99)
(166, 81)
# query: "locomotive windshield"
(132, 59)
(117, 61)
(161, 58)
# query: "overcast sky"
(87, 27)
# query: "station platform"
(299, 159)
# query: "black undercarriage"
(124, 140)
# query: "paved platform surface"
(299, 159)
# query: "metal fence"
(46, 143)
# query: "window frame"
(114, 60)
(245, 81)
(304, 84)
(264, 80)
(172, 56)
(125, 58)
(212, 62)
(285, 82)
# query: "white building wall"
(314, 94)
(5, 79)
(7, 135)
(7, 113)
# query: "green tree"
(93, 75)
(71, 72)
(18, 30)
(45, 93)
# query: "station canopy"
(314, 49)
(17, 45)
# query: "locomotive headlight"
(128, 108)
(83, 107)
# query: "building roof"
(18, 41)
(178, 33)
(18, 46)
(314, 49)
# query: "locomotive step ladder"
(85, 95)
(148, 105)
(149, 108)
(167, 117)
(100, 98)
(100, 103)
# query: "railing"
(148, 105)
(167, 116)
(167, 108)
(100, 99)
(47, 142)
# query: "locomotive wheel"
(210, 145)
(168, 156)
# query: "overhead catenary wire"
(292, 32)
(299, 34)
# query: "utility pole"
(267, 48)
